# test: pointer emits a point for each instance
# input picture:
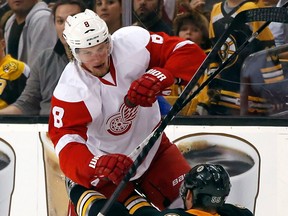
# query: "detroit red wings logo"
(121, 122)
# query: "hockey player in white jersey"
(94, 131)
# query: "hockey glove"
(113, 167)
(144, 90)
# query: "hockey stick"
(263, 14)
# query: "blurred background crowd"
(33, 52)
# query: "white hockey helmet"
(85, 29)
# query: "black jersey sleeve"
(229, 210)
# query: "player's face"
(61, 13)
(95, 59)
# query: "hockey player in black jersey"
(204, 191)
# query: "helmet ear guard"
(84, 30)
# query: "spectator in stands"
(111, 12)
(29, 30)
(193, 26)
(148, 14)
(224, 90)
(47, 69)
(259, 79)
(13, 76)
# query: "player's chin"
(99, 66)
(99, 73)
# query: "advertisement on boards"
(31, 182)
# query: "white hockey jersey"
(89, 117)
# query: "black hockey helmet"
(209, 184)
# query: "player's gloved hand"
(112, 167)
(144, 90)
